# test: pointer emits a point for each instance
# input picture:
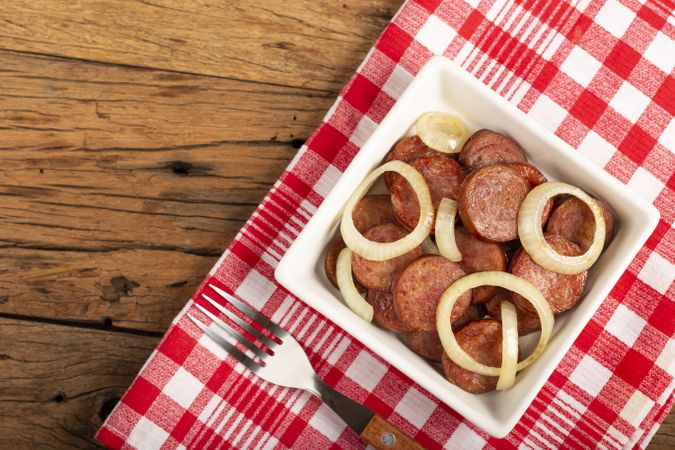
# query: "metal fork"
(289, 366)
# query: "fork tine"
(231, 349)
(242, 323)
(234, 333)
(252, 313)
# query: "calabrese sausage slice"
(444, 178)
(529, 172)
(407, 149)
(573, 220)
(527, 323)
(489, 202)
(479, 256)
(426, 344)
(487, 147)
(418, 290)
(482, 340)
(380, 275)
(561, 291)
(371, 211)
(384, 314)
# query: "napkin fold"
(599, 74)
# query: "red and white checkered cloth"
(599, 74)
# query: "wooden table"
(136, 138)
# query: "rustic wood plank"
(59, 382)
(131, 174)
(314, 44)
(664, 439)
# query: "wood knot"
(297, 143)
(107, 407)
(180, 168)
(178, 284)
(118, 287)
(59, 398)
(107, 322)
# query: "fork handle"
(385, 436)
(372, 428)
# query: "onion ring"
(445, 230)
(443, 132)
(492, 278)
(507, 374)
(350, 294)
(381, 251)
(532, 236)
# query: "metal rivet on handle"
(388, 439)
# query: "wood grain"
(112, 173)
(58, 382)
(293, 43)
(136, 138)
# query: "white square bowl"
(443, 86)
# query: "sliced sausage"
(371, 211)
(479, 256)
(444, 178)
(379, 275)
(418, 290)
(561, 291)
(384, 314)
(489, 202)
(426, 344)
(527, 323)
(487, 147)
(473, 312)
(331, 261)
(407, 149)
(482, 340)
(573, 220)
(529, 172)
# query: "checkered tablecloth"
(599, 74)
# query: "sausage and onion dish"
(471, 248)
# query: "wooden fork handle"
(384, 436)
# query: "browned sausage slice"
(380, 275)
(473, 312)
(384, 314)
(407, 149)
(489, 202)
(573, 220)
(426, 344)
(371, 211)
(444, 178)
(479, 256)
(527, 323)
(487, 147)
(418, 290)
(331, 259)
(482, 340)
(529, 172)
(561, 291)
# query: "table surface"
(136, 138)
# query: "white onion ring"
(507, 374)
(445, 230)
(381, 251)
(532, 236)
(491, 278)
(345, 282)
(442, 131)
